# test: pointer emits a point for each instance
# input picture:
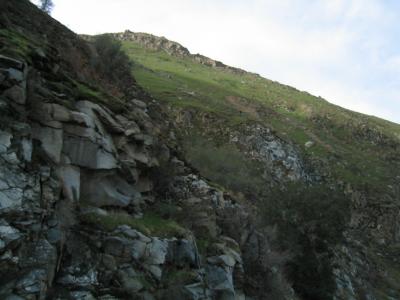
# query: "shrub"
(112, 63)
(311, 220)
(225, 165)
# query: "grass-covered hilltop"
(132, 169)
(357, 149)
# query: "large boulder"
(85, 153)
(108, 189)
(182, 253)
(51, 141)
(70, 180)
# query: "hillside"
(363, 148)
(248, 133)
(132, 169)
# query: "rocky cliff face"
(76, 186)
(98, 200)
(81, 212)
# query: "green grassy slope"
(360, 149)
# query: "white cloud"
(343, 50)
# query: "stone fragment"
(182, 253)
(27, 149)
(17, 94)
(8, 235)
(118, 247)
(154, 270)
(81, 295)
(219, 279)
(156, 252)
(51, 141)
(5, 141)
(32, 283)
(15, 74)
(70, 181)
(8, 62)
(309, 144)
(83, 152)
(102, 113)
(139, 103)
(108, 189)
(130, 284)
(77, 279)
(138, 249)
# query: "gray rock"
(139, 103)
(144, 138)
(137, 153)
(8, 62)
(51, 141)
(130, 284)
(33, 283)
(102, 113)
(70, 180)
(219, 279)
(17, 94)
(108, 189)
(156, 252)
(197, 291)
(54, 111)
(15, 74)
(85, 153)
(9, 235)
(81, 119)
(118, 247)
(43, 255)
(138, 249)
(5, 141)
(82, 295)
(154, 270)
(222, 260)
(109, 262)
(131, 128)
(182, 253)
(11, 199)
(54, 235)
(27, 148)
(76, 278)
(144, 184)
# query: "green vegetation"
(310, 220)
(150, 224)
(15, 44)
(173, 277)
(111, 62)
(387, 281)
(224, 164)
(359, 149)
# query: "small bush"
(311, 220)
(225, 165)
(150, 224)
(112, 63)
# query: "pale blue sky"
(347, 51)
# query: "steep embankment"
(94, 201)
(109, 193)
(248, 133)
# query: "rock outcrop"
(97, 200)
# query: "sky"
(346, 51)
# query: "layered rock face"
(97, 201)
(77, 183)
(61, 165)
